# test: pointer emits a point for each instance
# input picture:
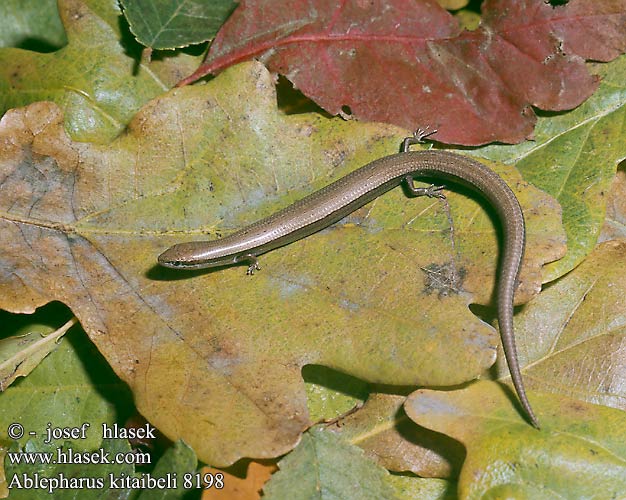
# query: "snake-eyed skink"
(342, 197)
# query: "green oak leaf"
(70, 387)
(411, 487)
(580, 451)
(331, 394)
(615, 221)
(574, 157)
(92, 78)
(63, 392)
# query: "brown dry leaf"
(238, 488)
(214, 357)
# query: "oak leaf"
(215, 357)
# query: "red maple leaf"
(406, 61)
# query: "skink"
(342, 197)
